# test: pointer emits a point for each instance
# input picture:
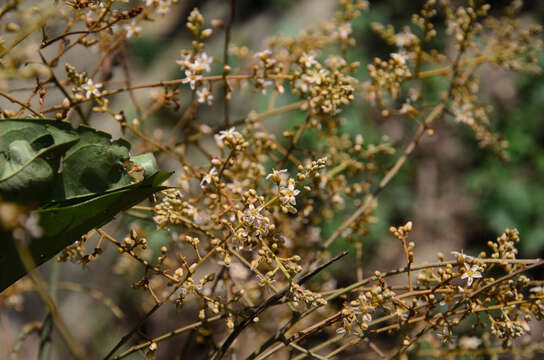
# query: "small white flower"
(185, 61)
(464, 114)
(208, 178)
(288, 194)
(204, 95)
(276, 174)
(229, 135)
(191, 78)
(471, 273)
(307, 60)
(345, 30)
(202, 62)
(163, 6)
(132, 29)
(252, 216)
(91, 89)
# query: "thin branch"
(227, 88)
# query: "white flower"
(345, 30)
(185, 61)
(191, 78)
(91, 89)
(163, 7)
(208, 178)
(229, 135)
(202, 62)
(307, 60)
(276, 174)
(464, 114)
(471, 273)
(252, 216)
(288, 194)
(132, 29)
(204, 95)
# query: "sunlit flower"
(191, 78)
(163, 6)
(276, 174)
(229, 135)
(252, 215)
(208, 178)
(204, 95)
(307, 60)
(288, 194)
(471, 273)
(91, 89)
(132, 29)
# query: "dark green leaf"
(66, 221)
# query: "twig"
(227, 88)
(19, 102)
(76, 349)
(47, 324)
(28, 330)
(166, 336)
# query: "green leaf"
(45, 160)
(78, 177)
(66, 221)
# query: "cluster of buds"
(267, 67)
(326, 88)
(387, 77)
(170, 209)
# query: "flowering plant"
(243, 240)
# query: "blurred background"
(458, 195)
